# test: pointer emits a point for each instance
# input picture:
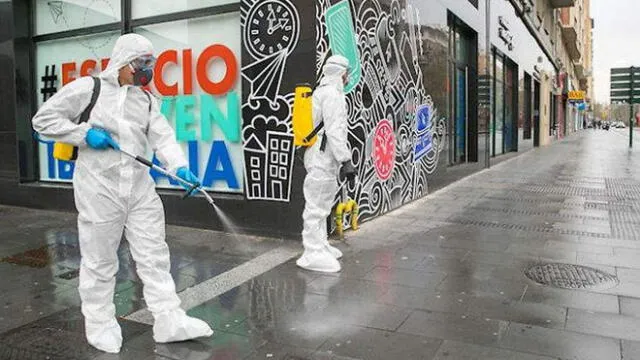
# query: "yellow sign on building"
(576, 95)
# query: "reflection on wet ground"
(442, 278)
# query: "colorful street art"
(271, 30)
(342, 38)
(395, 130)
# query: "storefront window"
(142, 8)
(197, 81)
(56, 16)
(197, 78)
(59, 62)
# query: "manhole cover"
(571, 276)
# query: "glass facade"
(56, 16)
(195, 56)
(144, 8)
(189, 64)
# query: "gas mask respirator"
(143, 70)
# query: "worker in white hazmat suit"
(114, 194)
(328, 158)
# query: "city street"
(442, 278)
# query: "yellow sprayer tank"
(64, 152)
(303, 115)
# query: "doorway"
(527, 107)
(504, 130)
(463, 59)
(536, 113)
(510, 106)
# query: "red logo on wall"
(384, 149)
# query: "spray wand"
(192, 187)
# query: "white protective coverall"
(114, 194)
(320, 184)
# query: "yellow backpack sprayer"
(304, 133)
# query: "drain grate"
(570, 276)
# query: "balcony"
(570, 37)
(557, 4)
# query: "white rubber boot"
(104, 337)
(175, 325)
(321, 261)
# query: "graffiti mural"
(395, 130)
(271, 31)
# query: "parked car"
(618, 125)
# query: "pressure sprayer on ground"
(305, 135)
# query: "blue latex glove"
(186, 175)
(100, 139)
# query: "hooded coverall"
(323, 166)
(115, 195)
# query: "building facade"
(439, 89)
(576, 56)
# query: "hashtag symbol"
(49, 83)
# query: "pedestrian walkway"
(447, 277)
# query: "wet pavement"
(454, 276)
